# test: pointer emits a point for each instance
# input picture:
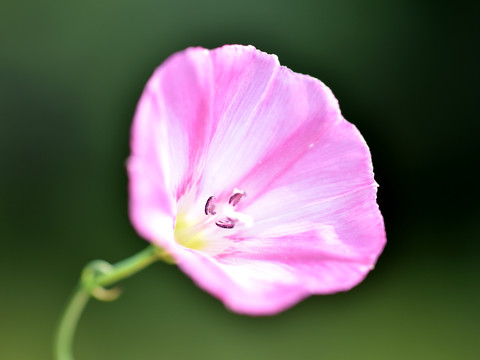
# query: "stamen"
(226, 223)
(236, 197)
(210, 206)
(228, 217)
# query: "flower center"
(196, 232)
(228, 217)
(186, 233)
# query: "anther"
(225, 223)
(236, 197)
(210, 206)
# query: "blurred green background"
(405, 73)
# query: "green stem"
(68, 324)
(130, 266)
(97, 275)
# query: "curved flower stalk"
(250, 179)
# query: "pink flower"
(247, 174)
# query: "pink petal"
(291, 260)
(331, 184)
(254, 289)
(170, 131)
(183, 92)
(243, 78)
(152, 207)
(291, 115)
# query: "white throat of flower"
(199, 231)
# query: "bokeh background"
(405, 73)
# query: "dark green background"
(70, 75)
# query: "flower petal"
(266, 123)
(318, 225)
(268, 272)
(331, 184)
(183, 91)
(272, 282)
(170, 133)
(254, 289)
(152, 207)
(243, 77)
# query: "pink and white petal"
(350, 236)
(170, 134)
(265, 284)
(183, 89)
(291, 259)
(320, 219)
(151, 205)
(326, 164)
(242, 78)
(353, 216)
(265, 110)
(258, 288)
(332, 184)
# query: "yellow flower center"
(187, 234)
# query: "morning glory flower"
(250, 179)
